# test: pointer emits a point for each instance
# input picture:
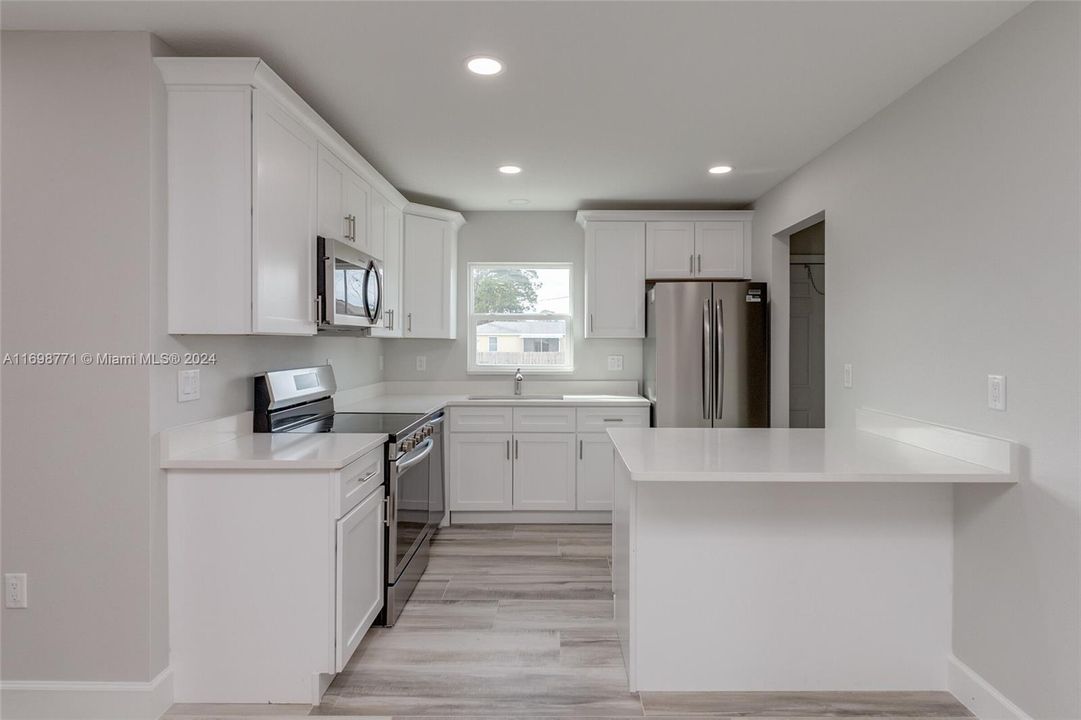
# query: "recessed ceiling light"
(519, 201)
(484, 65)
(510, 169)
(720, 169)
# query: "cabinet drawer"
(359, 479)
(544, 419)
(480, 419)
(599, 419)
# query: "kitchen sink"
(515, 397)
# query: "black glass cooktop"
(390, 423)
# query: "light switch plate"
(615, 362)
(996, 392)
(422, 363)
(187, 385)
(848, 375)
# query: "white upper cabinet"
(430, 273)
(670, 250)
(254, 175)
(720, 249)
(699, 249)
(615, 280)
(392, 219)
(688, 244)
(344, 199)
(283, 222)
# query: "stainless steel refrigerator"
(706, 361)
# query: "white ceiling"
(615, 104)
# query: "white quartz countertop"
(787, 455)
(395, 403)
(279, 451)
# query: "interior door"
(359, 581)
(678, 328)
(806, 368)
(741, 340)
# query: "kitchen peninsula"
(778, 559)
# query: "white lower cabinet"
(544, 471)
(480, 472)
(596, 471)
(359, 575)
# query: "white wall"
(510, 237)
(83, 270)
(953, 239)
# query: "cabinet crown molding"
(451, 216)
(254, 72)
(587, 216)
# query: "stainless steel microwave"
(349, 287)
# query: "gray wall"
(511, 237)
(83, 211)
(954, 253)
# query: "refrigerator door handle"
(718, 363)
(707, 361)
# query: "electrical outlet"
(422, 363)
(615, 362)
(15, 590)
(848, 375)
(996, 392)
(187, 385)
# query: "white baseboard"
(978, 695)
(58, 700)
(476, 517)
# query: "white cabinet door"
(615, 276)
(544, 471)
(377, 225)
(392, 274)
(479, 471)
(356, 196)
(595, 471)
(429, 278)
(283, 227)
(719, 249)
(359, 586)
(332, 222)
(670, 251)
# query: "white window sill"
(528, 371)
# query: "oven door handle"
(409, 460)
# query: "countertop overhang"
(882, 449)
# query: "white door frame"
(779, 318)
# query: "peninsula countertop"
(758, 455)
(278, 451)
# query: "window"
(520, 316)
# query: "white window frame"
(472, 320)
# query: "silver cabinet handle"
(386, 511)
(707, 364)
(515, 448)
(613, 419)
(700, 264)
(508, 449)
(692, 263)
(345, 229)
(388, 319)
(409, 322)
(591, 322)
(580, 444)
(718, 363)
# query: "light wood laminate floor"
(515, 621)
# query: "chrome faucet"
(518, 381)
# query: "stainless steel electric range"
(301, 400)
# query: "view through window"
(520, 316)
